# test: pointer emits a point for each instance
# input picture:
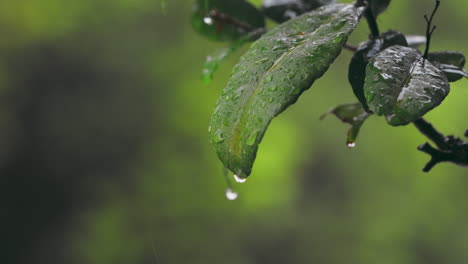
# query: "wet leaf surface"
(452, 63)
(271, 76)
(366, 51)
(403, 86)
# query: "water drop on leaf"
(218, 138)
(351, 144)
(239, 179)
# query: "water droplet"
(351, 144)
(273, 88)
(252, 138)
(239, 179)
(218, 137)
(231, 195)
(267, 79)
(260, 61)
(208, 20)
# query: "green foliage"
(452, 63)
(272, 75)
(402, 85)
(388, 75)
(366, 51)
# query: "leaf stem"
(430, 28)
(371, 21)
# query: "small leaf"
(283, 10)
(353, 114)
(367, 50)
(450, 62)
(402, 85)
(213, 61)
(378, 6)
(226, 20)
(272, 75)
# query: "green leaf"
(213, 61)
(272, 75)
(378, 6)
(283, 10)
(353, 114)
(226, 20)
(450, 62)
(367, 50)
(402, 85)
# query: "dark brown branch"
(430, 28)
(350, 47)
(372, 22)
(450, 148)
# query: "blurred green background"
(104, 152)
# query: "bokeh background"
(104, 153)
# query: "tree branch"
(450, 148)
(430, 29)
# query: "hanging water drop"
(208, 20)
(239, 179)
(231, 195)
(351, 144)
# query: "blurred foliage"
(105, 155)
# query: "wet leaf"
(402, 85)
(367, 50)
(271, 76)
(213, 61)
(226, 20)
(452, 63)
(353, 114)
(283, 10)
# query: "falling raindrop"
(351, 144)
(208, 20)
(231, 195)
(239, 179)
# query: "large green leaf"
(402, 85)
(283, 10)
(226, 20)
(452, 63)
(272, 75)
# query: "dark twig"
(430, 28)
(372, 22)
(350, 47)
(450, 148)
(430, 132)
